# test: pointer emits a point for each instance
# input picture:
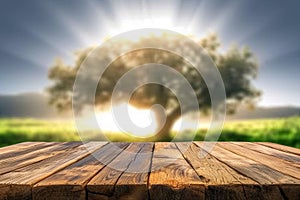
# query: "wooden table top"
(232, 170)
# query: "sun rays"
(97, 20)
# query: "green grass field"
(284, 131)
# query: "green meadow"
(284, 131)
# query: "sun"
(140, 117)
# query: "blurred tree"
(237, 67)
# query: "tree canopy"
(237, 66)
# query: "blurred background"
(38, 36)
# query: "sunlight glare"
(140, 117)
(155, 23)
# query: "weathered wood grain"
(286, 167)
(281, 147)
(103, 185)
(70, 182)
(133, 183)
(18, 151)
(232, 170)
(19, 146)
(272, 181)
(222, 182)
(272, 152)
(290, 169)
(172, 177)
(36, 155)
(17, 184)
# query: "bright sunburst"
(140, 117)
(158, 22)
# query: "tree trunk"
(164, 134)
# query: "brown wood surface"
(161, 170)
(103, 184)
(172, 176)
(35, 155)
(22, 149)
(272, 152)
(281, 147)
(220, 180)
(18, 183)
(19, 146)
(287, 167)
(270, 179)
(70, 182)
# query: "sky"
(33, 33)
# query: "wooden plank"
(17, 184)
(229, 171)
(274, 184)
(286, 167)
(70, 182)
(18, 146)
(222, 182)
(255, 170)
(281, 147)
(27, 149)
(272, 152)
(133, 182)
(171, 176)
(102, 186)
(34, 156)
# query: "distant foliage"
(283, 131)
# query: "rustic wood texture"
(287, 167)
(161, 170)
(24, 178)
(38, 153)
(281, 147)
(103, 185)
(271, 180)
(222, 182)
(173, 177)
(70, 182)
(19, 146)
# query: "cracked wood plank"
(222, 182)
(171, 176)
(232, 170)
(18, 184)
(70, 182)
(286, 167)
(34, 155)
(274, 184)
(103, 185)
